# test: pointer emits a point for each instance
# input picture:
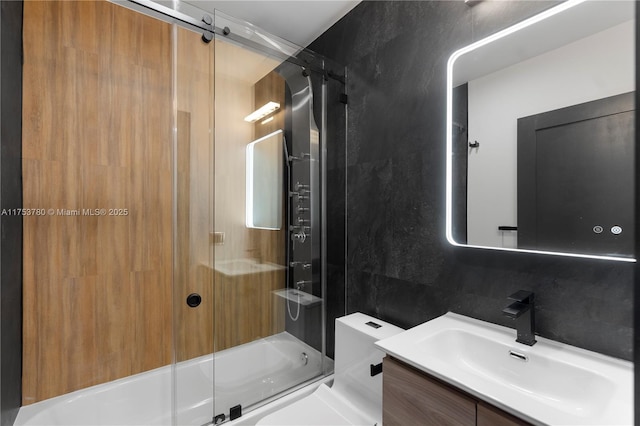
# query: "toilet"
(355, 398)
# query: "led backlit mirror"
(264, 182)
(540, 135)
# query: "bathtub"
(247, 374)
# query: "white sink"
(547, 383)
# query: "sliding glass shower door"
(269, 307)
(193, 67)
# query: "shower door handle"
(194, 300)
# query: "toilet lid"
(321, 408)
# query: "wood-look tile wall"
(97, 118)
(246, 307)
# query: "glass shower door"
(193, 380)
(269, 310)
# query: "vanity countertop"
(549, 383)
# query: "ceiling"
(300, 22)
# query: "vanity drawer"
(491, 416)
(412, 397)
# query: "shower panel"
(303, 187)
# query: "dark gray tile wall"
(400, 267)
(10, 198)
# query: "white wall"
(592, 68)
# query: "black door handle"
(193, 300)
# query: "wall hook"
(474, 144)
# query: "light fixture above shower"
(263, 111)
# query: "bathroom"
(387, 253)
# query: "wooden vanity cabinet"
(411, 397)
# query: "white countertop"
(557, 384)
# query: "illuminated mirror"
(264, 182)
(540, 135)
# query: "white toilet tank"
(354, 354)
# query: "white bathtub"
(244, 375)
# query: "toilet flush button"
(616, 230)
(373, 324)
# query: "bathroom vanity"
(411, 396)
(456, 370)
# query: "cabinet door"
(411, 398)
(491, 416)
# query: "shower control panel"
(300, 225)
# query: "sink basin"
(548, 383)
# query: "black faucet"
(523, 311)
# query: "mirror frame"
(449, 135)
